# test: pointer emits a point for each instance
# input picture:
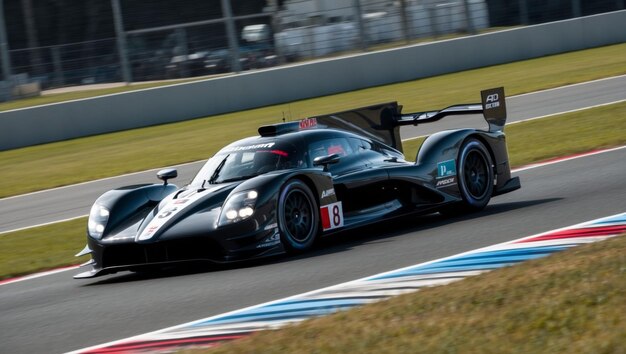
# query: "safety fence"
(201, 98)
(77, 42)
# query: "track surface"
(56, 313)
(73, 201)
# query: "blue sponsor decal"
(446, 168)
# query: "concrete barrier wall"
(30, 126)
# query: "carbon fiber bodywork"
(361, 177)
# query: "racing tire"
(298, 219)
(474, 178)
(475, 175)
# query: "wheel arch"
(487, 145)
(466, 142)
(306, 179)
(442, 145)
(292, 236)
(125, 201)
(318, 181)
(446, 145)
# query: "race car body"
(297, 181)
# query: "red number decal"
(336, 216)
(332, 216)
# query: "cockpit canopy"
(255, 156)
(249, 158)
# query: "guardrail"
(61, 121)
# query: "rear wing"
(382, 121)
(378, 122)
(493, 108)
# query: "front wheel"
(298, 219)
(475, 175)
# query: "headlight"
(237, 207)
(98, 217)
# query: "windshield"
(241, 161)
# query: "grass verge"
(67, 162)
(46, 247)
(559, 135)
(570, 302)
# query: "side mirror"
(326, 160)
(166, 174)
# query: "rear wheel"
(475, 175)
(474, 178)
(298, 219)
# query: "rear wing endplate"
(494, 108)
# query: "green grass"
(62, 163)
(54, 245)
(586, 130)
(559, 135)
(40, 248)
(570, 302)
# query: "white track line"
(523, 168)
(566, 158)
(570, 111)
(43, 224)
(37, 275)
(570, 85)
(99, 180)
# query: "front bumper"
(113, 257)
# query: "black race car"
(297, 181)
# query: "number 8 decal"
(332, 216)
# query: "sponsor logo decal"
(249, 147)
(332, 216)
(167, 212)
(446, 168)
(492, 101)
(308, 123)
(270, 241)
(156, 223)
(328, 193)
(494, 107)
(446, 182)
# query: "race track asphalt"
(56, 313)
(73, 201)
